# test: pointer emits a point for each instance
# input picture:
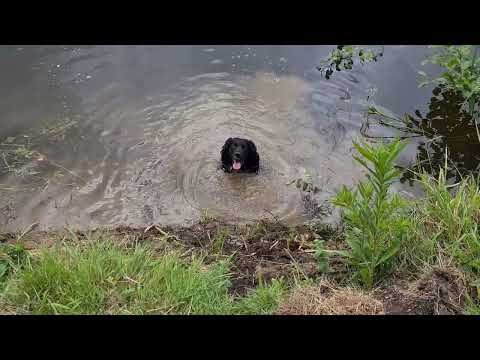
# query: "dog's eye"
(243, 146)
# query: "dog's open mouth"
(236, 165)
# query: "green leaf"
(389, 253)
(366, 276)
(363, 150)
(363, 163)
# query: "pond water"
(131, 135)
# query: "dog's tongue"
(237, 165)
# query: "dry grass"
(6, 309)
(326, 299)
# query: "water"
(132, 134)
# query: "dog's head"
(239, 155)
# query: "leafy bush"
(462, 72)
(343, 57)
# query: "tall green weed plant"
(375, 219)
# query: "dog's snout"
(236, 155)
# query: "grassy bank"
(102, 276)
(262, 268)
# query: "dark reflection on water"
(446, 127)
(132, 134)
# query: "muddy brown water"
(130, 135)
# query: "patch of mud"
(441, 291)
(260, 252)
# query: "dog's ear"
(252, 147)
(224, 152)
(227, 144)
(253, 158)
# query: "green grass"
(446, 221)
(261, 301)
(473, 310)
(321, 256)
(11, 257)
(102, 277)
(207, 216)
(219, 240)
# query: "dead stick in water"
(5, 161)
(69, 171)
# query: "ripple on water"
(162, 161)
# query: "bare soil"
(441, 291)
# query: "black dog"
(240, 155)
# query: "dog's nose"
(236, 156)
